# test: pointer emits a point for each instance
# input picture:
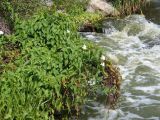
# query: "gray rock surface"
(102, 6)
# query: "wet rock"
(103, 7)
(152, 43)
(88, 27)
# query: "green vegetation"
(21, 7)
(45, 65)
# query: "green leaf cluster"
(47, 69)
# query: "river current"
(133, 43)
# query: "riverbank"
(48, 64)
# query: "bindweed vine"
(47, 69)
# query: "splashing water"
(135, 44)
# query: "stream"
(133, 43)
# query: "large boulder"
(102, 6)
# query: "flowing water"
(134, 44)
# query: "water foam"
(134, 43)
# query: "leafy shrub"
(26, 8)
(46, 66)
(74, 7)
(51, 69)
(23, 8)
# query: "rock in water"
(103, 7)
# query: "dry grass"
(129, 6)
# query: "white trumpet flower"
(1, 32)
(84, 47)
(68, 31)
(103, 57)
(102, 64)
(91, 82)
